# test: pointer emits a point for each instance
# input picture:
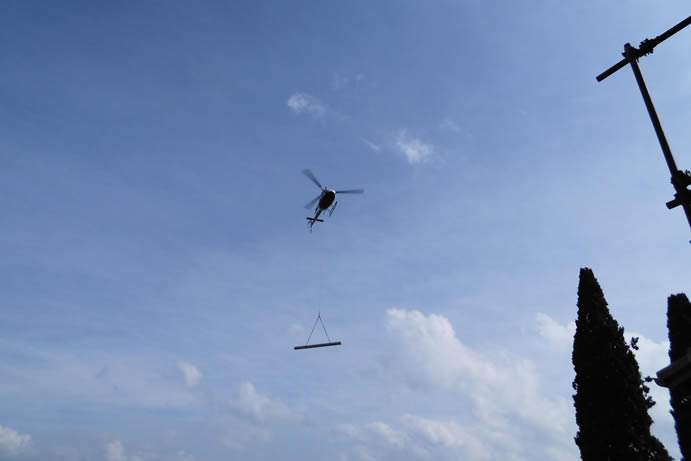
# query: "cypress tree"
(611, 402)
(679, 325)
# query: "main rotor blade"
(314, 179)
(351, 191)
(311, 204)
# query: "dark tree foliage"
(679, 325)
(610, 400)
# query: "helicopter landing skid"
(331, 211)
(311, 221)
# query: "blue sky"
(157, 269)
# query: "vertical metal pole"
(679, 187)
(651, 111)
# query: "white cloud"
(259, 407)
(182, 456)
(504, 393)
(373, 432)
(115, 451)
(651, 357)
(133, 380)
(447, 434)
(416, 437)
(414, 150)
(191, 373)
(341, 80)
(305, 103)
(555, 333)
(12, 442)
(371, 145)
(385, 431)
(257, 415)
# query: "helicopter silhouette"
(326, 198)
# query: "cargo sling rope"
(329, 343)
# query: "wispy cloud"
(257, 416)
(444, 433)
(142, 381)
(343, 80)
(191, 373)
(450, 125)
(371, 145)
(303, 103)
(13, 443)
(418, 437)
(259, 407)
(182, 456)
(414, 149)
(372, 431)
(115, 451)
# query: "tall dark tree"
(611, 398)
(679, 325)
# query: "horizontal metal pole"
(309, 346)
(649, 45)
(612, 69)
(672, 31)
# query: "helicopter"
(325, 199)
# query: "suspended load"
(310, 346)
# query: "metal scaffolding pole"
(680, 179)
